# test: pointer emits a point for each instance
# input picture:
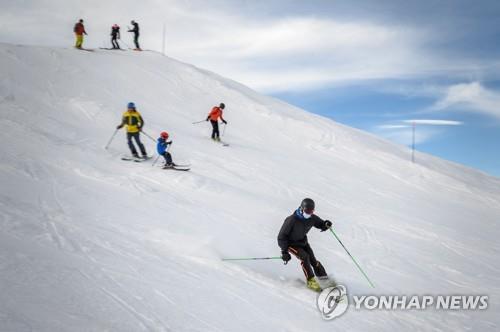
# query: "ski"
(137, 160)
(221, 142)
(140, 160)
(175, 168)
(183, 166)
(111, 49)
(85, 49)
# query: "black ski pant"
(215, 128)
(131, 146)
(308, 261)
(114, 42)
(168, 158)
(136, 40)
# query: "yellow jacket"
(133, 121)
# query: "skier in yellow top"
(134, 122)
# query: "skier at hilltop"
(214, 116)
(162, 147)
(292, 238)
(134, 122)
(115, 34)
(135, 30)
(79, 31)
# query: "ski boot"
(313, 284)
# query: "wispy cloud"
(471, 97)
(404, 135)
(402, 132)
(434, 122)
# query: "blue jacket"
(162, 146)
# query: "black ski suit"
(292, 238)
(115, 34)
(135, 30)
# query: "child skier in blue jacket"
(162, 147)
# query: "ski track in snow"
(91, 243)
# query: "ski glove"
(208, 117)
(119, 127)
(327, 225)
(285, 256)
(168, 143)
(225, 122)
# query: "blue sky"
(373, 65)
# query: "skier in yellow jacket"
(134, 122)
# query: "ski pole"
(121, 41)
(199, 121)
(154, 162)
(359, 267)
(224, 129)
(250, 258)
(148, 136)
(111, 139)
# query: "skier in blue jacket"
(162, 147)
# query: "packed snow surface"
(89, 242)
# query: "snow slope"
(91, 243)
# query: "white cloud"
(434, 122)
(403, 132)
(472, 97)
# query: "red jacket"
(215, 114)
(79, 29)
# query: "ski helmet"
(222, 105)
(131, 106)
(115, 26)
(307, 205)
(164, 135)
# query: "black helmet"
(307, 205)
(222, 105)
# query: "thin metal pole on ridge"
(359, 267)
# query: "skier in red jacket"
(214, 116)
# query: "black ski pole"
(111, 139)
(148, 136)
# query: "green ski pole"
(250, 258)
(359, 267)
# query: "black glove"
(327, 225)
(119, 127)
(208, 118)
(225, 122)
(285, 256)
(168, 143)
